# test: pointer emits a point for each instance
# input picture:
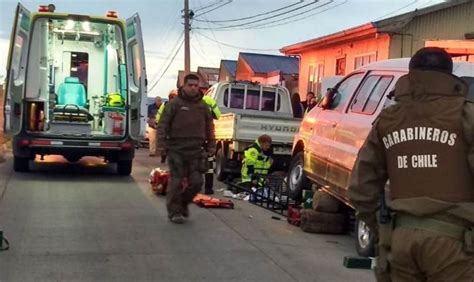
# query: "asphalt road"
(81, 222)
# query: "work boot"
(177, 218)
(185, 211)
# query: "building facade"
(448, 25)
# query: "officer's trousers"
(152, 140)
(177, 196)
(421, 255)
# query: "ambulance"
(76, 86)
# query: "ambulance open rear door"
(137, 83)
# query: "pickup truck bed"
(247, 128)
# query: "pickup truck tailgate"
(245, 127)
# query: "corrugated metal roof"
(391, 24)
(230, 65)
(397, 22)
(264, 63)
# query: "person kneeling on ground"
(257, 162)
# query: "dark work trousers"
(178, 197)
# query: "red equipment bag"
(208, 202)
(294, 215)
(159, 180)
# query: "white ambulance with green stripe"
(76, 86)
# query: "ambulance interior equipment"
(77, 78)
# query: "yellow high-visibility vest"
(216, 112)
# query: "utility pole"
(187, 28)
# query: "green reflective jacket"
(216, 113)
(255, 163)
(160, 112)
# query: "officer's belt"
(429, 224)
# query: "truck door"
(16, 71)
(323, 138)
(137, 82)
(356, 123)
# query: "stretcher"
(209, 202)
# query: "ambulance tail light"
(112, 14)
(40, 142)
(23, 143)
(47, 8)
(109, 145)
(126, 146)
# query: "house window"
(363, 60)
(316, 73)
(341, 66)
(310, 78)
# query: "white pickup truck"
(248, 111)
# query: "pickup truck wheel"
(297, 180)
(21, 164)
(365, 244)
(220, 165)
(124, 167)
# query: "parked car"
(248, 111)
(327, 144)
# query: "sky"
(162, 26)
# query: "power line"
(220, 6)
(167, 67)
(232, 46)
(214, 35)
(208, 6)
(266, 18)
(171, 27)
(266, 24)
(201, 54)
(254, 16)
(168, 57)
(394, 11)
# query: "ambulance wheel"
(220, 165)
(297, 180)
(365, 243)
(124, 167)
(21, 164)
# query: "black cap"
(431, 58)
